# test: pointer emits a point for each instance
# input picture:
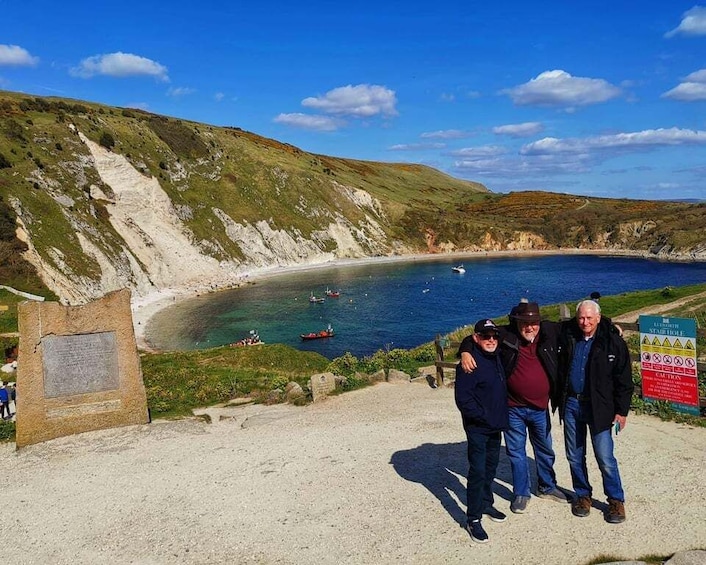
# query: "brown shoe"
(581, 506)
(616, 511)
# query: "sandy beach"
(375, 476)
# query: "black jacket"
(547, 351)
(481, 396)
(608, 372)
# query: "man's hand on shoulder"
(468, 363)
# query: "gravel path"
(372, 476)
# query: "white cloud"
(693, 88)
(219, 96)
(621, 142)
(697, 76)
(519, 130)
(362, 101)
(478, 153)
(416, 146)
(120, 65)
(559, 88)
(687, 91)
(16, 56)
(552, 156)
(307, 121)
(507, 167)
(445, 97)
(693, 23)
(445, 134)
(179, 91)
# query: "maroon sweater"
(528, 384)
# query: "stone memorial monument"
(321, 385)
(78, 369)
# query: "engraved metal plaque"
(79, 364)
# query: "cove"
(401, 304)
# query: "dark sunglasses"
(487, 337)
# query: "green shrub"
(352, 382)
(107, 140)
(7, 430)
(346, 365)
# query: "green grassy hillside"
(49, 179)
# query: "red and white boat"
(332, 293)
(328, 332)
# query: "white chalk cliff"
(158, 251)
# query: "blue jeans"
(524, 419)
(577, 420)
(483, 457)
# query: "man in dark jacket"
(529, 349)
(596, 379)
(481, 396)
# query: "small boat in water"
(328, 332)
(252, 339)
(316, 300)
(332, 293)
(458, 269)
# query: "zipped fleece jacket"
(481, 396)
(608, 372)
(547, 351)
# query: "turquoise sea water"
(400, 304)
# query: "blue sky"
(599, 98)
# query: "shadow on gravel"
(442, 469)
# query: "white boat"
(458, 269)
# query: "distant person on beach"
(528, 349)
(10, 354)
(4, 402)
(595, 296)
(12, 392)
(481, 397)
(595, 376)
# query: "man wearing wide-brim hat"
(529, 351)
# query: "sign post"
(668, 362)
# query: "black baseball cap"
(485, 326)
